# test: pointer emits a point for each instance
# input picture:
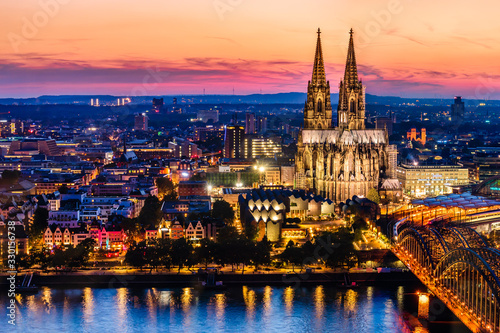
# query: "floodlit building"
(346, 160)
(258, 146)
(233, 141)
(431, 180)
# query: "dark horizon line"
(224, 95)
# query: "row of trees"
(70, 257)
(332, 249)
(231, 249)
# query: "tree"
(165, 252)
(182, 251)
(63, 189)
(136, 255)
(251, 231)
(222, 209)
(206, 252)
(152, 253)
(292, 255)
(338, 246)
(38, 226)
(151, 213)
(39, 257)
(262, 253)
(132, 228)
(308, 249)
(226, 233)
(166, 189)
(373, 195)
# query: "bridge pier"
(423, 306)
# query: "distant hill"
(279, 98)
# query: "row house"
(111, 237)
(194, 231)
(56, 236)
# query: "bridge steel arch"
(470, 236)
(457, 265)
(470, 279)
(452, 238)
(420, 245)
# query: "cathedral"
(346, 160)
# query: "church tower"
(351, 107)
(318, 109)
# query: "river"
(236, 309)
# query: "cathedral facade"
(346, 160)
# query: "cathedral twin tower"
(349, 159)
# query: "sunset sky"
(405, 48)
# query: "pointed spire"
(318, 75)
(351, 70)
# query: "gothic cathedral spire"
(351, 107)
(318, 108)
(318, 75)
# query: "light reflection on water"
(238, 309)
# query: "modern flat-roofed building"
(431, 180)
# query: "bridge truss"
(458, 267)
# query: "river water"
(237, 309)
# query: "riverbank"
(116, 279)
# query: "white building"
(195, 232)
(431, 180)
(64, 218)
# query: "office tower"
(141, 122)
(249, 123)
(233, 141)
(157, 104)
(457, 110)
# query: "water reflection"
(266, 300)
(165, 298)
(88, 307)
(121, 299)
(152, 303)
(253, 309)
(249, 299)
(351, 301)
(399, 297)
(47, 298)
(288, 298)
(319, 301)
(220, 305)
(186, 298)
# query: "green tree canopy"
(223, 210)
(338, 248)
(151, 213)
(373, 195)
(166, 189)
(38, 226)
(63, 189)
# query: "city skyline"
(217, 47)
